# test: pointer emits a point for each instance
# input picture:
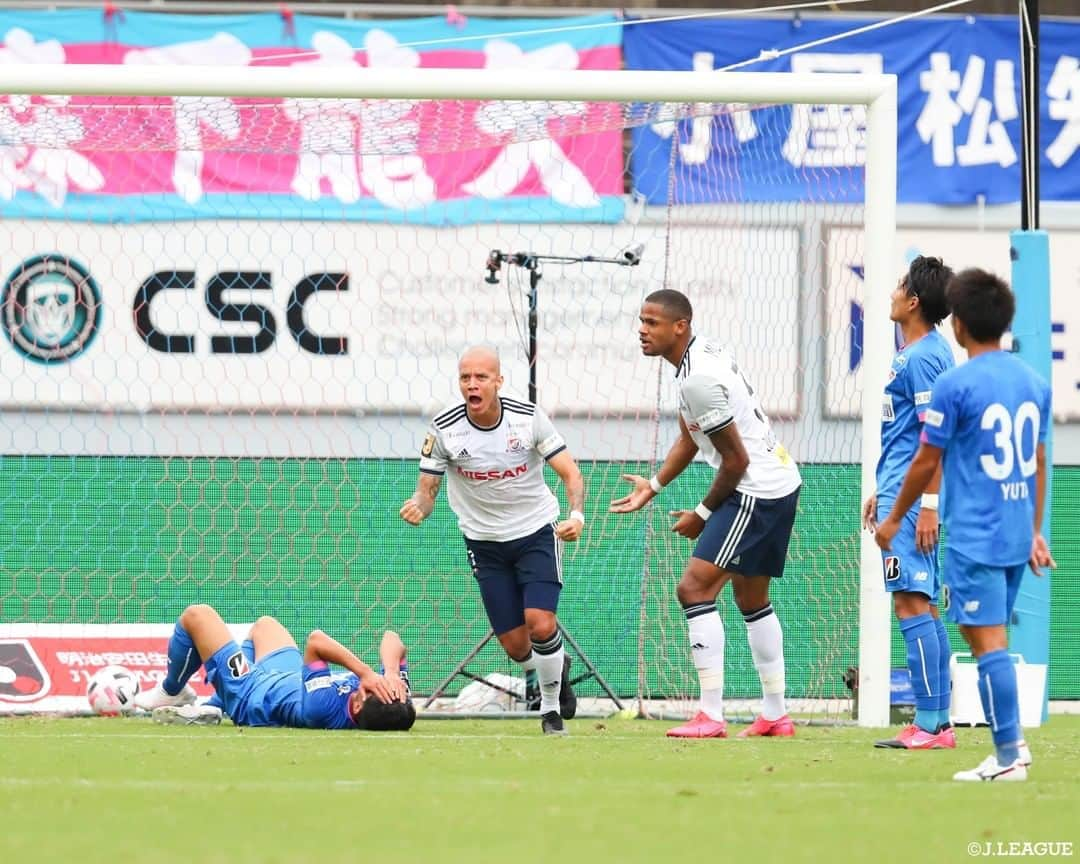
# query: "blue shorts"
(516, 575)
(749, 535)
(980, 595)
(248, 691)
(905, 567)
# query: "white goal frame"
(878, 92)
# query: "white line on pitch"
(226, 784)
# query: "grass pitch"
(100, 790)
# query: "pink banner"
(405, 155)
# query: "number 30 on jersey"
(1016, 441)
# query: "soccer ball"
(112, 691)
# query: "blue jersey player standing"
(910, 568)
(267, 682)
(987, 422)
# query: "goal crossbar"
(364, 83)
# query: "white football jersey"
(713, 392)
(495, 477)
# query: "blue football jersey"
(989, 416)
(914, 370)
(324, 700)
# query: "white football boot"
(187, 715)
(148, 700)
(990, 770)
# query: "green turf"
(496, 791)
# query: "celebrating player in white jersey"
(493, 449)
(742, 525)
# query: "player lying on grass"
(987, 424)
(266, 681)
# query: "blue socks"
(945, 655)
(997, 689)
(924, 661)
(184, 661)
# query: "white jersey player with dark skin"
(493, 450)
(743, 523)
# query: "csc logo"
(249, 312)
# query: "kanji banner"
(45, 668)
(959, 111)
(122, 159)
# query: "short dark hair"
(378, 716)
(675, 303)
(927, 280)
(982, 302)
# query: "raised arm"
(320, 646)
(392, 655)
(391, 651)
(680, 455)
(417, 508)
(563, 464)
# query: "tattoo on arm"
(427, 490)
(564, 465)
(575, 493)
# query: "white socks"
(548, 662)
(766, 640)
(707, 647)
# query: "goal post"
(875, 615)
(631, 90)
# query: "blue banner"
(959, 111)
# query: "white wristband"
(655, 484)
(929, 501)
(703, 511)
(579, 516)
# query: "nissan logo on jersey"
(506, 474)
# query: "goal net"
(230, 310)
